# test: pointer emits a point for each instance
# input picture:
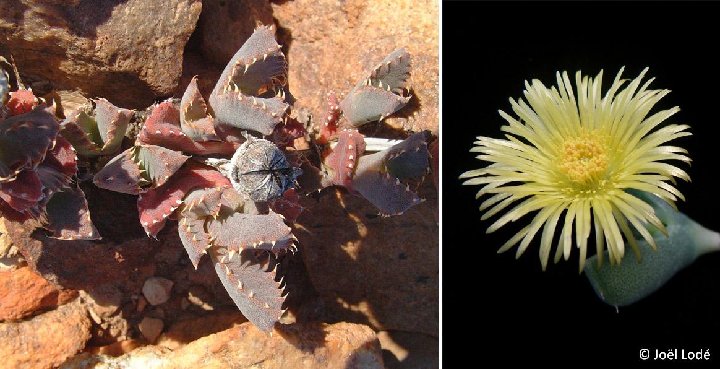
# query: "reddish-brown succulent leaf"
(13, 215)
(249, 278)
(71, 130)
(194, 118)
(52, 179)
(24, 192)
(242, 231)
(59, 166)
(393, 72)
(121, 174)
(248, 112)
(164, 112)
(20, 206)
(69, 217)
(205, 202)
(21, 102)
(368, 103)
(158, 162)
(112, 123)
(288, 205)
(409, 158)
(158, 203)
(62, 157)
(328, 127)
(162, 128)
(342, 160)
(24, 140)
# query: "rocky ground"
(363, 289)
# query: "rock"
(218, 17)
(147, 357)
(46, 340)
(128, 51)
(343, 241)
(109, 330)
(405, 350)
(333, 44)
(186, 331)
(104, 300)
(337, 346)
(157, 290)
(9, 255)
(104, 303)
(24, 292)
(151, 328)
(6, 246)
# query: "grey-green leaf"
(633, 279)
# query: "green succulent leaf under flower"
(632, 280)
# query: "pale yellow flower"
(577, 154)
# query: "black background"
(554, 317)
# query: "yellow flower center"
(583, 158)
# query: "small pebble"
(157, 290)
(151, 328)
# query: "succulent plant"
(97, 132)
(223, 209)
(378, 177)
(37, 167)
